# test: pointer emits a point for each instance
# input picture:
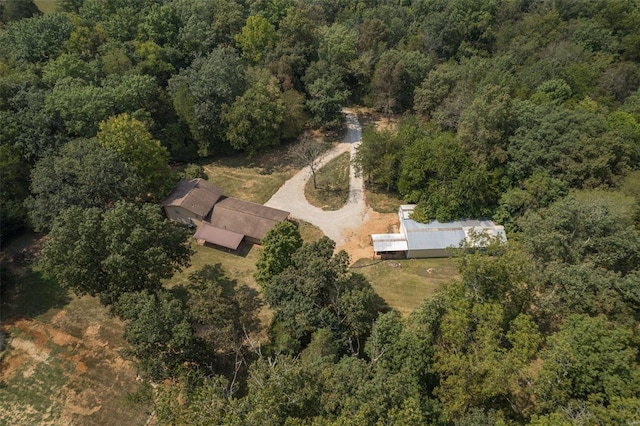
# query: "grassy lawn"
(382, 201)
(405, 283)
(333, 184)
(46, 6)
(253, 179)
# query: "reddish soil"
(358, 242)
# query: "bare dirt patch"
(358, 242)
(50, 375)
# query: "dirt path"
(338, 224)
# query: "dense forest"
(524, 111)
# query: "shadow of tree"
(28, 293)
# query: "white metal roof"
(389, 242)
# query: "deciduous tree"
(82, 174)
(254, 119)
(159, 331)
(125, 249)
(278, 245)
(309, 152)
(131, 140)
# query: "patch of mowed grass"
(253, 179)
(308, 231)
(46, 6)
(381, 201)
(332, 180)
(405, 283)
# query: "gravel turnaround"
(335, 224)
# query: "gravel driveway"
(290, 197)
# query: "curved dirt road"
(334, 224)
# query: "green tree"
(486, 125)
(81, 106)
(378, 157)
(588, 358)
(562, 142)
(205, 25)
(82, 174)
(457, 28)
(278, 245)
(317, 291)
(327, 97)
(297, 45)
(201, 92)
(586, 253)
(437, 174)
(69, 65)
(125, 249)
(27, 125)
(395, 77)
(254, 120)
(35, 39)
(159, 331)
(295, 116)
(131, 140)
(14, 174)
(256, 37)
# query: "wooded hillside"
(526, 112)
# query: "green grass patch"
(239, 266)
(252, 178)
(309, 232)
(332, 180)
(46, 6)
(405, 283)
(382, 201)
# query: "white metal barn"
(422, 240)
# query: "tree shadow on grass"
(28, 293)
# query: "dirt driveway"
(339, 224)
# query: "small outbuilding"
(433, 239)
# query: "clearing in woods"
(63, 361)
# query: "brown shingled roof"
(217, 236)
(196, 195)
(251, 219)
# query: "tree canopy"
(126, 248)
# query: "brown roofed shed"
(218, 236)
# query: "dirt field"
(62, 365)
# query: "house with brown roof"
(222, 221)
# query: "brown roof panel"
(254, 209)
(250, 219)
(196, 195)
(218, 236)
